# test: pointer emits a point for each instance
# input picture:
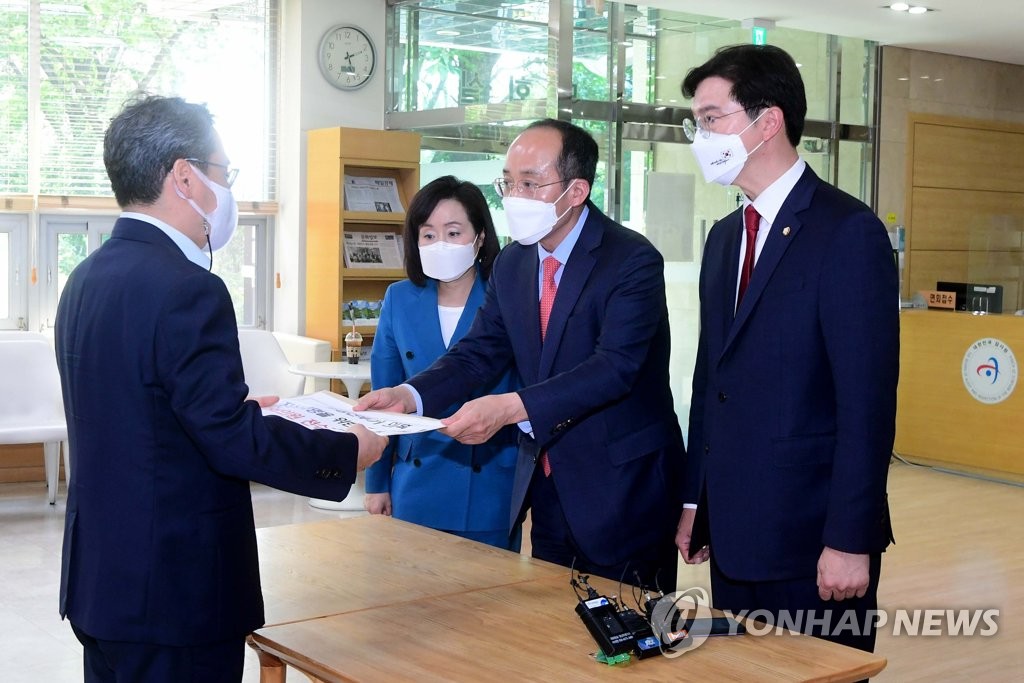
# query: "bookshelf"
(332, 155)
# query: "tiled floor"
(35, 645)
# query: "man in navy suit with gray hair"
(160, 577)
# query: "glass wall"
(470, 75)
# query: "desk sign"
(936, 299)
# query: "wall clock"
(347, 58)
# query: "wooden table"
(425, 606)
(342, 565)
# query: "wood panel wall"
(965, 205)
(21, 463)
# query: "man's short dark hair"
(145, 139)
(762, 76)
(424, 203)
(578, 158)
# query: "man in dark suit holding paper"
(160, 577)
(794, 392)
(577, 303)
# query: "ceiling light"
(447, 32)
(904, 7)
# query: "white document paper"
(327, 410)
(372, 250)
(372, 194)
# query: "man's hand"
(378, 503)
(478, 420)
(842, 575)
(370, 446)
(390, 399)
(683, 533)
(264, 401)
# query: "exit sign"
(759, 35)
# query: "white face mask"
(224, 219)
(445, 261)
(531, 220)
(721, 156)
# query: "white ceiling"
(983, 29)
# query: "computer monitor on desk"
(971, 296)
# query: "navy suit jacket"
(794, 396)
(159, 540)
(433, 479)
(596, 390)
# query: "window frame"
(16, 225)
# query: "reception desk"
(960, 402)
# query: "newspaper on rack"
(372, 250)
(378, 194)
(327, 410)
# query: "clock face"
(346, 57)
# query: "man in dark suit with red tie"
(794, 392)
(577, 304)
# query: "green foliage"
(90, 61)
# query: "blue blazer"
(794, 397)
(596, 390)
(433, 479)
(159, 540)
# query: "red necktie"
(751, 220)
(547, 299)
(547, 292)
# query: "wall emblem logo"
(989, 370)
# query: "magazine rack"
(358, 186)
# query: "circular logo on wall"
(990, 370)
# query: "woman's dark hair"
(424, 203)
(762, 76)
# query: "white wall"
(307, 102)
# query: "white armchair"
(266, 367)
(31, 404)
(298, 349)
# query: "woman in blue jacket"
(431, 479)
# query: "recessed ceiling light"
(910, 9)
(447, 32)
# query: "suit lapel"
(515, 274)
(784, 230)
(424, 318)
(574, 276)
(473, 303)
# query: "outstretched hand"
(389, 399)
(478, 420)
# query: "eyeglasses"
(230, 174)
(525, 188)
(703, 124)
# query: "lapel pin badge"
(785, 231)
